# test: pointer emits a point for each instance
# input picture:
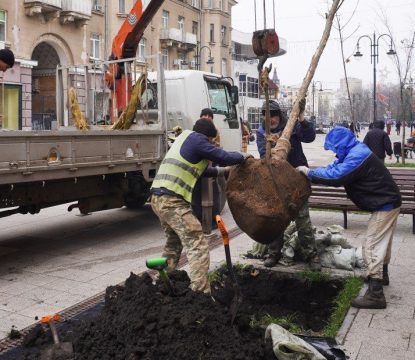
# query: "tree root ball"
(264, 198)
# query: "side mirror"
(235, 95)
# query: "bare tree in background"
(403, 61)
(340, 28)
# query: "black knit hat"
(206, 112)
(205, 127)
(7, 56)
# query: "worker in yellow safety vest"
(172, 188)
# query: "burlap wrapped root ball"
(264, 198)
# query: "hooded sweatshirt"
(303, 132)
(365, 178)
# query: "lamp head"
(391, 52)
(210, 61)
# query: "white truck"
(101, 168)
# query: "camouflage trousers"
(183, 230)
(307, 245)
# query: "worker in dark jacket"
(6, 59)
(303, 132)
(371, 187)
(378, 140)
(172, 188)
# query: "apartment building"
(191, 34)
(43, 35)
(246, 77)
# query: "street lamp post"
(374, 59)
(313, 89)
(411, 89)
(198, 57)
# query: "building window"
(180, 23)
(212, 33)
(195, 27)
(121, 6)
(254, 117)
(224, 67)
(95, 46)
(165, 19)
(242, 85)
(2, 26)
(96, 5)
(209, 4)
(195, 3)
(223, 35)
(141, 50)
(10, 107)
(252, 87)
(165, 58)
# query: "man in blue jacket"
(303, 132)
(371, 187)
(172, 189)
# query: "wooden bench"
(327, 197)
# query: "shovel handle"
(222, 229)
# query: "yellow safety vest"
(176, 173)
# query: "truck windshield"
(221, 102)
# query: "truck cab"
(190, 91)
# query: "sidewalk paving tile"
(397, 339)
(18, 320)
(370, 351)
(352, 348)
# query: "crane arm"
(126, 41)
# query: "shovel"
(237, 298)
(59, 350)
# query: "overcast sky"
(301, 23)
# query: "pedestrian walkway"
(373, 334)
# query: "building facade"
(246, 77)
(192, 34)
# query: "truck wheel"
(135, 204)
(139, 191)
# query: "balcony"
(176, 37)
(44, 9)
(76, 11)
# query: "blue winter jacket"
(366, 180)
(303, 132)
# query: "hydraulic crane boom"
(124, 46)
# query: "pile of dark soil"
(271, 195)
(307, 304)
(140, 321)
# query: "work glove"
(303, 169)
(246, 155)
(272, 138)
(302, 105)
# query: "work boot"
(374, 297)
(313, 263)
(271, 261)
(385, 280)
